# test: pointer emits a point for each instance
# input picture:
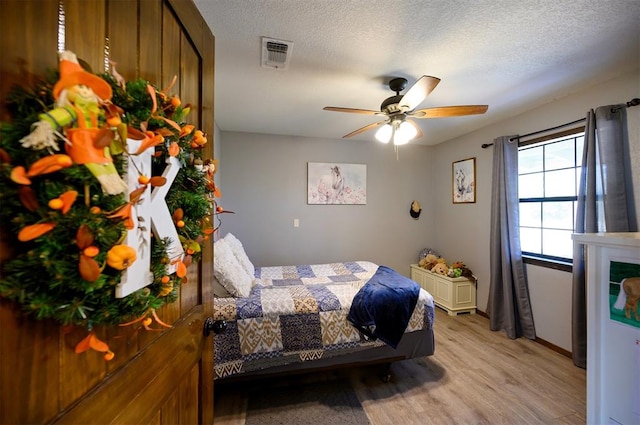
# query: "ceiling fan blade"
(365, 128)
(419, 133)
(418, 92)
(449, 111)
(352, 110)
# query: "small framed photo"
(464, 181)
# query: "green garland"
(42, 275)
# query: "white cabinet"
(456, 295)
(613, 340)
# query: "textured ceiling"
(512, 55)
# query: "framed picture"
(331, 183)
(464, 181)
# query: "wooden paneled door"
(157, 377)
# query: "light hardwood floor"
(476, 376)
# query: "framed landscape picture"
(331, 183)
(464, 181)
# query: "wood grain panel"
(27, 43)
(170, 412)
(189, 78)
(79, 372)
(171, 34)
(170, 352)
(29, 360)
(156, 420)
(123, 340)
(204, 42)
(29, 350)
(122, 30)
(171, 312)
(150, 57)
(189, 398)
(86, 31)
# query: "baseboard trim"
(540, 341)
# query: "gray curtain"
(509, 307)
(605, 202)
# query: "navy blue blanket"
(383, 306)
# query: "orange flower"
(199, 138)
(124, 212)
(84, 237)
(181, 269)
(92, 341)
(157, 181)
(68, 198)
(49, 164)
(34, 231)
(55, 203)
(91, 251)
(151, 139)
(146, 321)
(19, 175)
(186, 130)
(28, 198)
(174, 149)
(89, 268)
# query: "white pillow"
(241, 255)
(228, 270)
(219, 290)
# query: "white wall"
(265, 183)
(263, 179)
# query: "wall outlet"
(296, 222)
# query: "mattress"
(296, 317)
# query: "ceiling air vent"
(276, 53)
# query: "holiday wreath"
(72, 188)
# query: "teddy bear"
(430, 261)
(440, 268)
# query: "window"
(548, 180)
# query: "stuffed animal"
(428, 262)
(459, 269)
(440, 268)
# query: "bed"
(283, 319)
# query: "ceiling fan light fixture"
(383, 134)
(400, 131)
(404, 133)
(400, 107)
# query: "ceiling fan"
(399, 108)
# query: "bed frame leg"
(386, 372)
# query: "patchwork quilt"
(297, 314)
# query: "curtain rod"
(632, 102)
(486, 145)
